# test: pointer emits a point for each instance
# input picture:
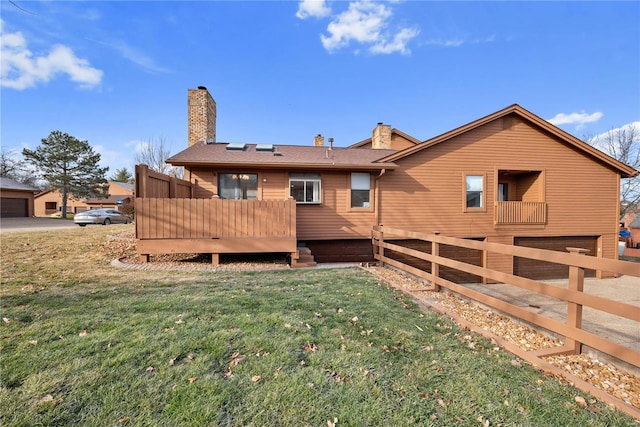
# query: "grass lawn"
(84, 343)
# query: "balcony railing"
(520, 213)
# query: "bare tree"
(623, 144)
(12, 166)
(154, 154)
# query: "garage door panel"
(469, 256)
(14, 208)
(542, 270)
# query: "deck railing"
(520, 213)
(163, 218)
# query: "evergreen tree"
(70, 166)
(122, 175)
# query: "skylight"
(236, 146)
(264, 147)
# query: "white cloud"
(314, 8)
(147, 63)
(364, 22)
(21, 69)
(398, 44)
(458, 42)
(579, 119)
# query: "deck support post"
(144, 258)
(215, 259)
(574, 310)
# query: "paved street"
(33, 224)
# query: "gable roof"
(125, 185)
(12, 184)
(626, 171)
(393, 131)
(282, 157)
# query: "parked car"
(100, 216)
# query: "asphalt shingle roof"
(282, 156)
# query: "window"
(474, 186)
(305, 188)
(50, 206)
(503, 192)
(238, 186)
(360, 190)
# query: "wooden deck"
(215, 226)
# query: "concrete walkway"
(616, 329)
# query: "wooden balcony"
(215, 226)
(527, 213)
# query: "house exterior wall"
(74, 205)
(331, 219)
(42, 199)
(426, 193)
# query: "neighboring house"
(50, 201)
(16, 199)
(510, 177)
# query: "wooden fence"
(154, 184)
(574, 297)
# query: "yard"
(84, 343)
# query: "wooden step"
(305, 258)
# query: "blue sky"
(116, 73)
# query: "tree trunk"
(63, 212)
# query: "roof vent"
(202, 87)
(210, 141)
(236, 146)
(264, 147)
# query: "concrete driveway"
(33, 224)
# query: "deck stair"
(304, 258)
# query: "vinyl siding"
(426, 193)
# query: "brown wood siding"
(541, 270)
(206, 183)
(529, 189)
(426, 192)
(332, 219)
(469, 256)
(500, 262)
(353, 250)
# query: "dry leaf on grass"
(607, 377)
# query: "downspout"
(378, 199)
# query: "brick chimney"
(381, 138)
(318, 141)
(201, 116)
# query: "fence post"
(574, 310)
(142, 173)
(173, 186)
(380, 246)
(435, 267)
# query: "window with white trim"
(474, 190)
(360, 190)
(305, 188)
